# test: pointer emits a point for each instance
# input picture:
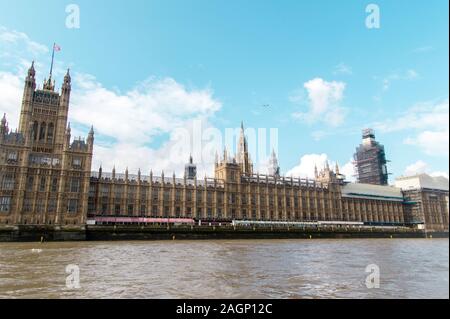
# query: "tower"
(327, 175)
(228, 169)
(190, 169)
(49, 174)
(274, 169)
(243, 157)
(370, 160)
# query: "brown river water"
(408, 268)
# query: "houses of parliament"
(46, 179)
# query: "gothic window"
(11, 157)
(166, 195)
(42, 184)
(52, 205)
(5, 203)
(30, 183)
(143, 210)
(50, 130)
(130, 210)
(54, 184)
(104, 189)
(72, 206)
(117, 209)
(34, 132)
(209, 198)
(75, 185)
(40, 205)
(42, 131)
(8, 182)
(27, 205)
(76, 162)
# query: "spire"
(4, 125)
(191, 161)
(91, 131)
(316, 172)
(274, 168)
(337, 169)
(67, 77)
(31, 71)
(327, 165)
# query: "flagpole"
(53, 57)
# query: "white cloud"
(308, 162)
(421, 167)
(434, 143)
(418, 167)
(306, 166)
(342, 68)
(15, 38)
(324, 100)
(430, 123)
(12, 90)
(407, 75)
(349, 171)
(130, 122)
(126, 124)
(152, 108)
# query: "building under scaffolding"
(426, 200)
(370, 160)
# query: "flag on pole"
(56, 47)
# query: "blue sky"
(323, 73)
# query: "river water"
(408, 268)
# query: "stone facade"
(426, 200)
(232, 195)
(46, 179)
(44, 176)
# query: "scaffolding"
(370, 161)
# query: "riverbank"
(33, 233)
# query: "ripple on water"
(410, 268)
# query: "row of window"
(5, 205)
(73, 187)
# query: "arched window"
(34, 133)
(50, 132)
(42, 131)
